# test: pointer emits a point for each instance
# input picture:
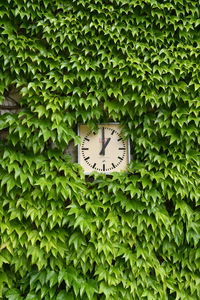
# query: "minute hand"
(104, 147)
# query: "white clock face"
(104, 151)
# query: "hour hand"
(104, 145)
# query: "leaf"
(63, 295)
(31, 296)
(13, 294)
(52, 277)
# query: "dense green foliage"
(126, 236)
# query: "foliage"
(127, 236)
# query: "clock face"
(104, 151)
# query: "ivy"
(128, 235)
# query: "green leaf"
(62, 295)
(52, 277)
(13, 294)
(31, 296)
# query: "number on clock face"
(103, 151)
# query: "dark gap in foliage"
(171, 295)
(159, 257)
(4, 135)
(170, 206)
(67, 202)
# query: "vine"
(129, 235)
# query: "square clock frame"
(104, 151)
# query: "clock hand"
(104, 147)
(103, 139)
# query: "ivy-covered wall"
(126, 236)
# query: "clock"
(104, 151)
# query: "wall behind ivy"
(127, 236)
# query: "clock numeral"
(120, 158)
(103, 167)
(112, 132)
(85, 148)
(87, 158)
(119, 139)
(87, 139)
(94, 165)
(121, 148)
(113, 165)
